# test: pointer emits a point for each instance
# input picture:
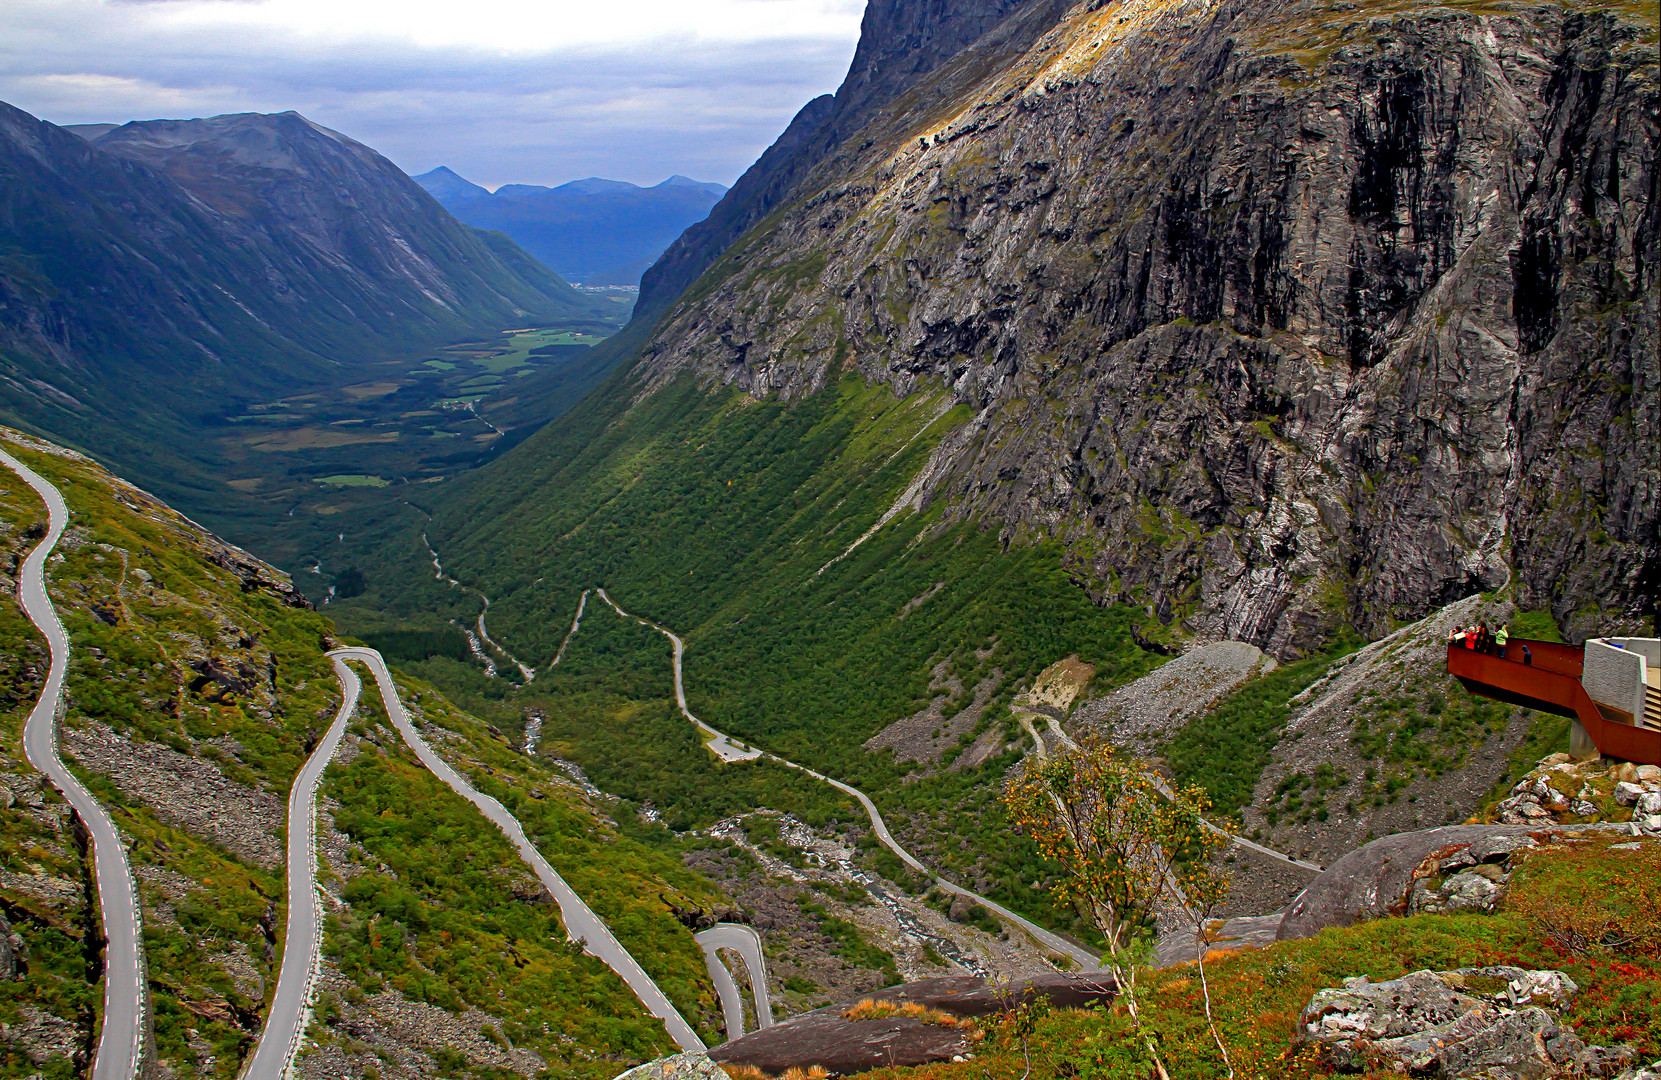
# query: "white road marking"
(290, 1014)
(747, 943)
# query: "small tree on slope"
(1127, 850)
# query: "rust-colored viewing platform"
(1553, 683)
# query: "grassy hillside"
(196, 687)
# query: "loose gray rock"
(8, 957)
(1483, 1023)
(676, 1067)
(1161, 702)
(1463, 892)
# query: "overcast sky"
(502, 91)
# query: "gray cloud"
(634, 113)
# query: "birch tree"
(1128, 848)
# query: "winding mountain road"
(290, 1013)
(1087, 960)
(729, 751)
(122, 1038)
(580, 921)
(724, 748)
(479, 641)
(746, 943)
(1164, 789)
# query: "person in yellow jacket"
(1501, 636)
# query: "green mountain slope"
(197, 686)
(1025, 359)
(1256, 318)
(731, 521)
(159, 280)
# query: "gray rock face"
(1446, 869)
(1179, 944)
(1275, 315)
(967, 995)
(900, 42)
(842, 1046)
(8, 951)
(1472, 1022)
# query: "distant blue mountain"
(443, 184)
(593, 231)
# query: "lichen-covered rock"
(676, 1067)
(1564, 790)
(1464, 891)
(1484, 1023)
(1446, 869)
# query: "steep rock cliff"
(900, 42)
(1276, 315)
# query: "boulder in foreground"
(1485, 1022)
(677, 1067)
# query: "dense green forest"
(734, 522)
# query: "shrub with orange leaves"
(1595, 897)
(869, 1009)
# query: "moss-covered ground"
(1584, 909)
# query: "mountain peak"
(443, 183)
(597, 185)
(679, 181)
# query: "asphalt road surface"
(1164, 789)
(746, 943)
(1055, 943)
(121, 1041)
(727, 750)
(285, 1024)
(723, 747)
(580, 922)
